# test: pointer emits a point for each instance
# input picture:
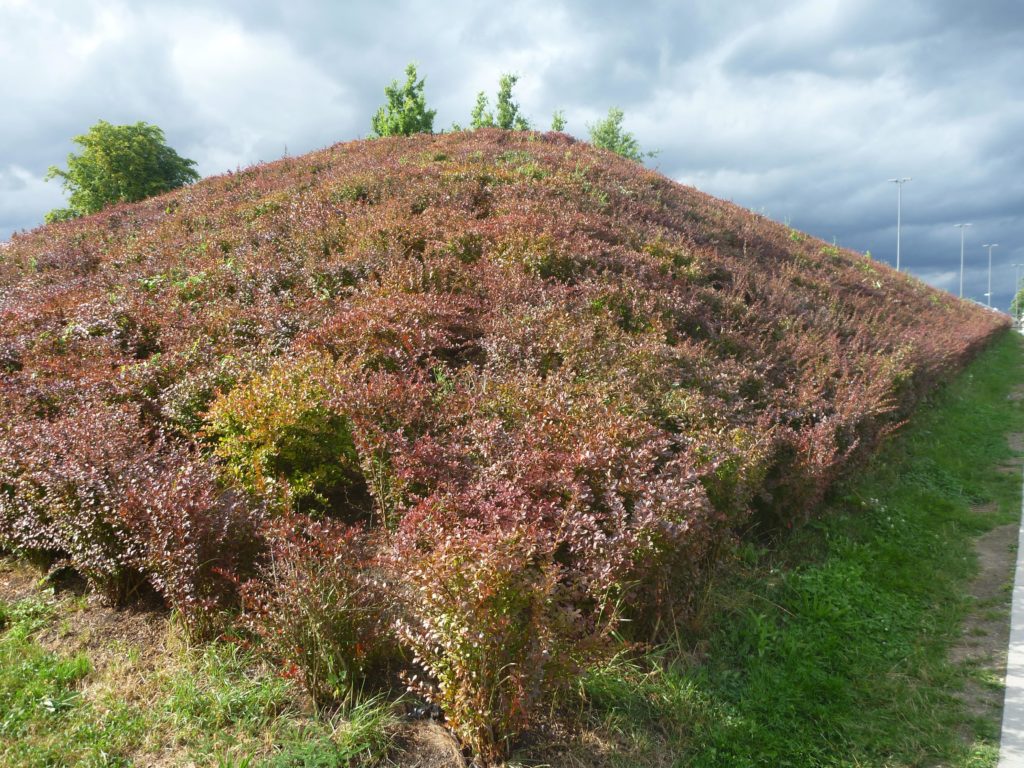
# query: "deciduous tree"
(1017, 305)
(406, 111)
(507, 115)
(609, 134)
(119, 163)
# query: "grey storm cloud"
(799, 109)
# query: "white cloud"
(253, 92)
(24, 197)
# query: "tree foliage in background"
(609, 134)
(1017, 305)
(406, 112)
(558, 120)
(480, 117)
(507, 115)
(119, 163)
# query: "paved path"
(1011, 750)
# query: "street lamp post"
(990, 246)
(962, 227)
(899, 215)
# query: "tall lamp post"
(899, 214)
(962, 227)
(990, 246)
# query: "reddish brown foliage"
(320, 605)
(504, 350)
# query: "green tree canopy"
(1017, 304)
(119, 163)
(507, 115)
(480, 117)
(406, 111)
(558, 120)
(609, 134)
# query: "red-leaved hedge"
(518, 389)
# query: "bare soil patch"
(17, 581)
(983, 646)
(426, 744)
(108, 636)
(125, 645)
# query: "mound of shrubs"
(463, 409)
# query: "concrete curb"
(1011, 749)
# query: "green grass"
(44, 720)
(830, 648)
(214, 705)
(228, 707)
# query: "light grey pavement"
(1011, 750)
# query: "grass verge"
(831, 647)
(209, 706)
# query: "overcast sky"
(799, 109)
